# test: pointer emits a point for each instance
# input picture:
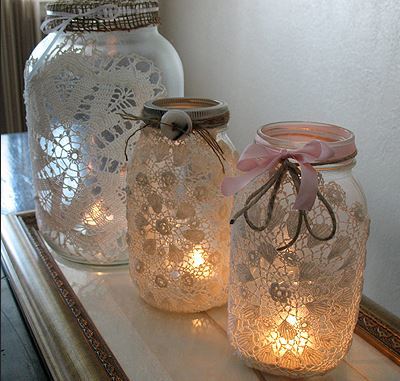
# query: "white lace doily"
(77, 142)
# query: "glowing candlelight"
(197, 263)
(97, 215)
(197, 256)
(294, 344)
(289, 336)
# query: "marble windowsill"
(156, 345)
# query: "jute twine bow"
(199, 127)
(275, 182)
(259, 158)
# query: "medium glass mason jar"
(78, 81)
(293, 310)
(178, 220)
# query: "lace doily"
(178, 222)
(293, 312)
(77, 144)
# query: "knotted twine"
(258, 158)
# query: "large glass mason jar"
(98, 62)
(297, 275)
(178, 220)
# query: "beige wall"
(323, 60)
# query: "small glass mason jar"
(178, 220)
(292, 311)
(77, 81)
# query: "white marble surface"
(153, 345)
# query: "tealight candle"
(199, 264)
(97, 214)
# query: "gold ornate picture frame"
(379, 328)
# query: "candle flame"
(198, 263)
(197, 256)
(289, 336)
(291, 320)
(97, 214)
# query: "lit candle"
(97, 215)
(197, 264)
(289, 337)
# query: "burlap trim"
(128, 20)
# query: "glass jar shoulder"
(191, 151)
(149, 43)
(224, 141)
(342, 181)
(145, 42)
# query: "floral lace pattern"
(293, 312)
(77, 144)
(178, 222)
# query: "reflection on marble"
(153, 345)
(363, 358)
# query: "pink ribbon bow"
(258, 158)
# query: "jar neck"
(144, 31)
(325, 146)
(217, 130)
(346, 165)
(137, 33)
(207, 114)
(212, 131)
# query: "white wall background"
(322, 60)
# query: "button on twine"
(177, 124)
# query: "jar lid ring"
(207, 113)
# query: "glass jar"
(293, 310)
(78, 81)
(178, 221)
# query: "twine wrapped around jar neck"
(179, 117)
(94, 16)
(132, 14)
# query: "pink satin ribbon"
(258, 158)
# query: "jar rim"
(295, 134)
(214, 111)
